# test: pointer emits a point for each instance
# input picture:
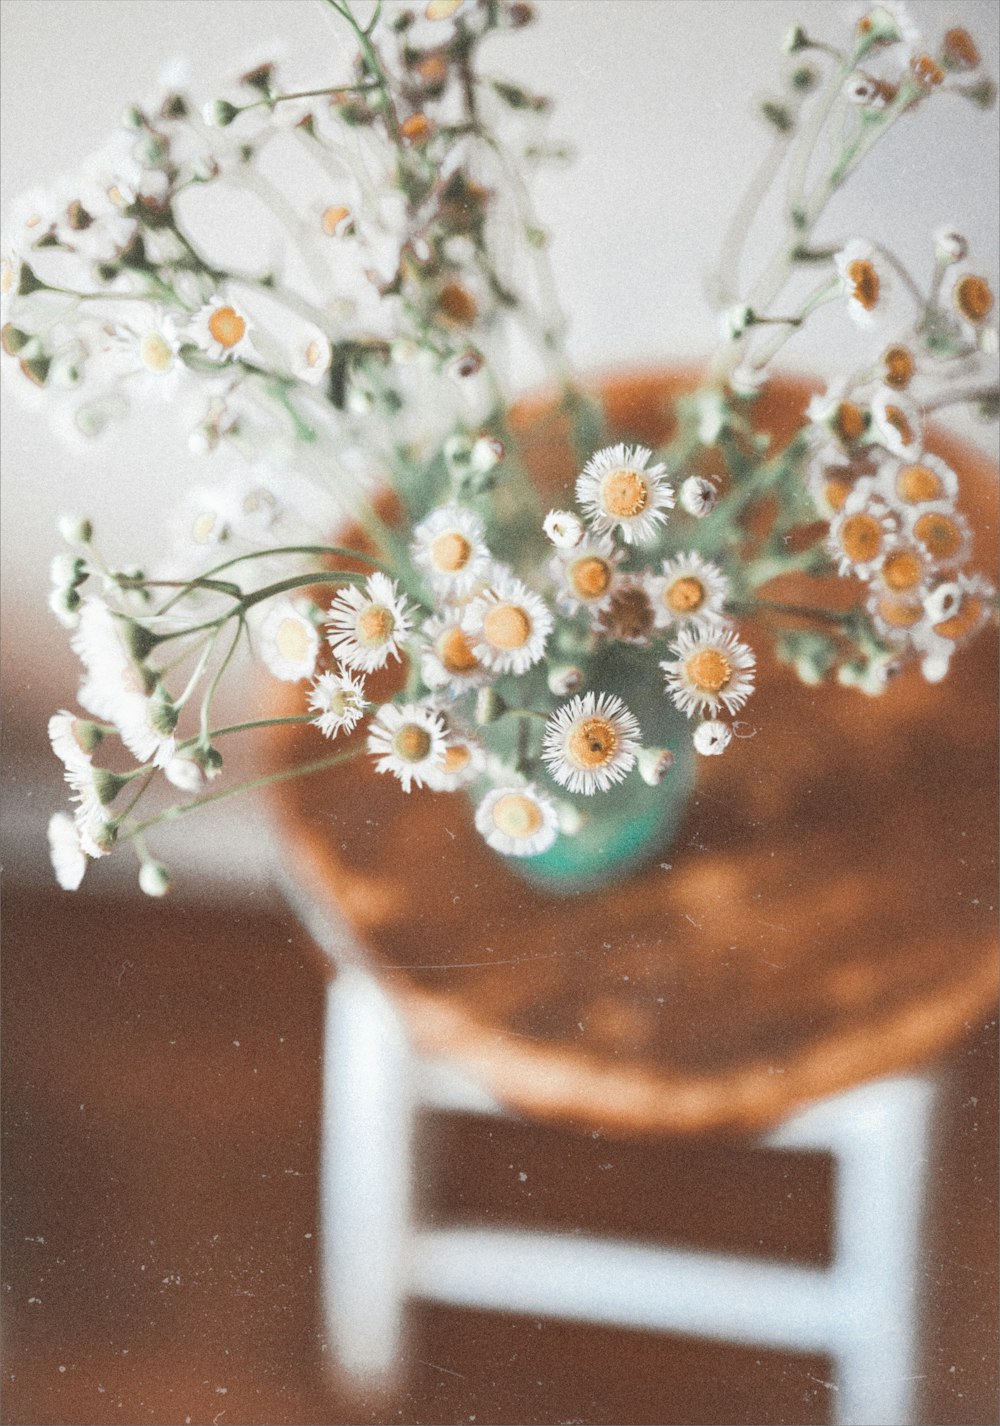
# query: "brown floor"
(161, 1076)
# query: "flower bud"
(153, 879)
(219, 113)
(565, 679)
(950, 245)
(76, 529)
(698, 496)
(12, 339)
(734, 321)
(654, 764)
(65, 605)
(563, 528)
(489, 705)
(107, 785)
(712, 737)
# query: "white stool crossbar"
(861, 1311)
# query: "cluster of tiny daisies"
(368, 529)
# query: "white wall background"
(655, 95)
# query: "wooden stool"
(824, 919)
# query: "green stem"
(303, 770)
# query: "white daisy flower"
(563, 528)
(289, 640)
(508, 625)
(865, 280)
(73, 739)
(897, 421)
(116, 685)
(185, 773)
(590, 742)
(518, 821)
(710, 668)
(954, 613)
(450, 547)
(969, 295)
(146, 344)
(69, 862)
(410, 741)
(447, 658)
(338, 700)
(689, 591)
(908, 484)
(712, 737)
(464, 762)
(367, 625)
(585, 574)
(862, 531)
(221, 329)
(834, 415)
(698, 496)
(942, 533)
(618, 488)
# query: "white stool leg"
(882, 1161)
(365, 1158)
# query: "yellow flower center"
(507, 626)
(412, 743)
(899, 613)
(456, 758)
(203, 530)
(896, 418)
(292, 640)
(332, 219)
(861, 537)
(516, 815)
(899, 367)
(624, 493)
(963, 622)
(227, 327)
(973, 298)
(454, 650)
(902, 570)
(917, 483)
(684, 595)
(450, 552)
(708, 670)
(939, 534)
(457, 305)
(315, 355)
(375, 625)
(592, 743)
(836, 491)
(155, 353)
(590, 577)
(865, 285)
(849, 421)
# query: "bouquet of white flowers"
(368, 505)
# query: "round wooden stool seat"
(827, 913)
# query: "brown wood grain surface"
(825, 915)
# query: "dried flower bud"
(654, 764)
(219, 113)
(12, 339)
(468, 364)
(697, 496)
(958, 50)
(565, 679)
(926, 70)
(712, 737)
(796, 40)
(153, 879)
